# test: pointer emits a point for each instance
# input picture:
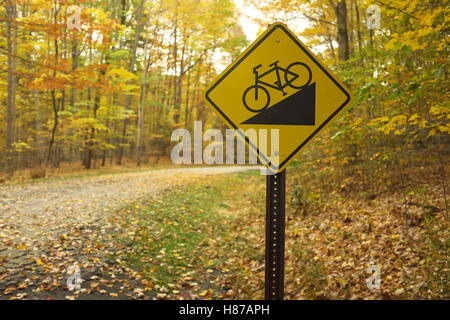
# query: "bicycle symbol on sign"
(297, 76)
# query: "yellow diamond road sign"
(277, 83)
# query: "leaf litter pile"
(207, 242)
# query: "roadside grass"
(184, 241)
(171, 228)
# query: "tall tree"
(131, 67)
(340, 8)
(11, 35)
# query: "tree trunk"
(91, 144)
(54, 128)
(179, 87)
(358, 26)
(186, 110)
(176, 115)
(342, 37)
(131, 66)
(39, 141)
(74, 67)
(11, 11)
(142, 98)
(53, 95)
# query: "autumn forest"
(111, 80)
(101, 85)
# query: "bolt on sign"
(277, 83)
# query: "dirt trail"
(32, 214)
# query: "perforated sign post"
(277, 83)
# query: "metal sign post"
(275, 226)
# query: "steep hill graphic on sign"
(298, 109)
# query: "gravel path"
(32, 214)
